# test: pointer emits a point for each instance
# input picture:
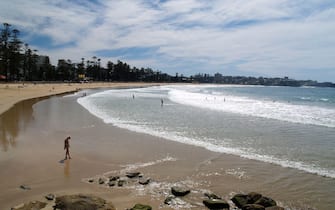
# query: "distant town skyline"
(274, 38)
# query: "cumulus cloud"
(256, 37)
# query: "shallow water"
(290, 127)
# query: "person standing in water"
(162, 102)
(67, 147)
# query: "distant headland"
(243, 80)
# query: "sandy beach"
(11, 93)
(32, 138)
(34, 168)
(30, 160)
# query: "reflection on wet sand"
(13, 121)
(67, 168)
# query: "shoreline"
(116, 150)
(13, 93)
(70, 175)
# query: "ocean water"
(291, 127)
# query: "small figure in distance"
(162, 102)
(67, 147)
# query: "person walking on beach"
(67, 147)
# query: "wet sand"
(31, 146)
(32, 150)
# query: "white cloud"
(279, 37)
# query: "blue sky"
(272, 38)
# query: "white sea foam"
(269, 109)
(135, 166)
(237, 172)
(305, 98)
(75, 94)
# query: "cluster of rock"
(250, 201)
(68, 202)
(121, 181)
(211, 201)
(74, 202)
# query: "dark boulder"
(114, 178)
(180, 191)
(111, 183)
(101, 181)
(266, 202)
(120, 183)
(144, 181)
(168, 200)
(25, 187)
(253, 207)
(50, 197)
(253, 197)
(240, 200)
(216, 204)
(82, 202)
(141, 207)
(133, 174)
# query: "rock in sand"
(50, 197)
(180, 191)
(216, 204)
(25, 187)
(144, 181)
(133, 174)
(141, 207)
(253, 207)
(82, 202)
